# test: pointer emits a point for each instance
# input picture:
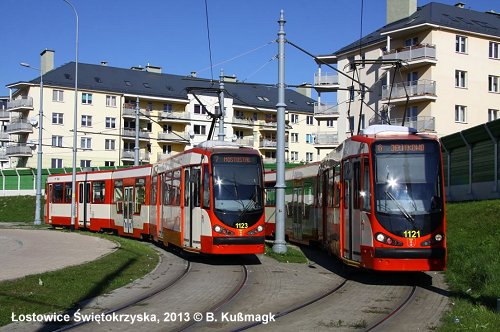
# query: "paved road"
(24, 252)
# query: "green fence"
(471, 164)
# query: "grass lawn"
(473, 274)
(64, 289)
(293, 254)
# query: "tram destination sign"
(235, 159)
(403, 147)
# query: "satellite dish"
(34, 122)
(234, 138)
(191, 134)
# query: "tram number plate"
(411, 234)
(241, 225)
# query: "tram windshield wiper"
(402, 209)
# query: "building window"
(351, 93)
(86, 120)
(362, 122)
(412, 113)
(167, 108)
(295, 118)
(199, 129)
(460, 79)
(352, 66)
(411, 42)
(167, 149)
(57, 95)
(239, 134)
(86, 143)
(460, 113)
(199, 110)
(351, 124)
(309, 139)
(294, 156)
(57, 118)
(109, 163)
(110, 101)
(295, 137)
(330, 123)
(84, 163)
(460, 44)
(57, 140)
(86, 98)
(492, 114)
(494, 47)
(309, 157)
(109, 144)
(110, 123)
(493, 83)
(56, 163)
(309, 120)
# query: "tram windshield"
(237, 189)
(408, 192)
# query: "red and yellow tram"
(208, 199)
(376, 202)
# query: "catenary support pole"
(279, 243)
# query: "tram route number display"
(397, 148)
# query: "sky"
(174, 34)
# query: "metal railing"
(170, 136)
(19, 103)
(413, 88)
(243, 121)
(325, 109)
(165, 115)
(326, 79)
(131, 133)
(130, 154)
(416, 52)
(131, 112)
(421, 123)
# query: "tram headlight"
(438, 237)
(380, 237)
(256, 230)
(217, 228)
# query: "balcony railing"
(130, 154)
(4, 115)
(242, 121)
(19, 150)
(19, 126)
(131, 133)
(165, 115)
(326, 109)
(421, 123)
(4, 136)
(326, 138)
(245, 141)
(169, 136)
(131, 112)
(22, 103)
(161, 155)
(326, 79)
(412, 53)
(413, 88)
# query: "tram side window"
(57, 193)
(166, 184)
(67, 192)
(176, 188)
(365, 193)
(154, 189)
(140, 194)
(336, 187)
(331, 189)
(98, 191)
(356, 180)
(196, 178)
(271, 196)
(206, 187)
(118, 195)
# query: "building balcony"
(174, 137)
(19, 126)
(19, 105)
(161, 155)
(270, 144)
(244, 141)
(3, 154)
(4, 137)
(19, 150)
(175, 117)
(326, 111)
(326, 139)
(268, 125)
(421, 123)
(130, 135)
(4, 115)
(129, 155)
(129, 112)
(326, 82)
(420, 90)
(242, 122)
(413, 55)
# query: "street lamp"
(38, 202)
(75, 126)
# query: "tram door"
(84, 204)
(192, 211)
(128, 209)
(351, 222)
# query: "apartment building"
(4, 136)
(435, 67)
(173, 115)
